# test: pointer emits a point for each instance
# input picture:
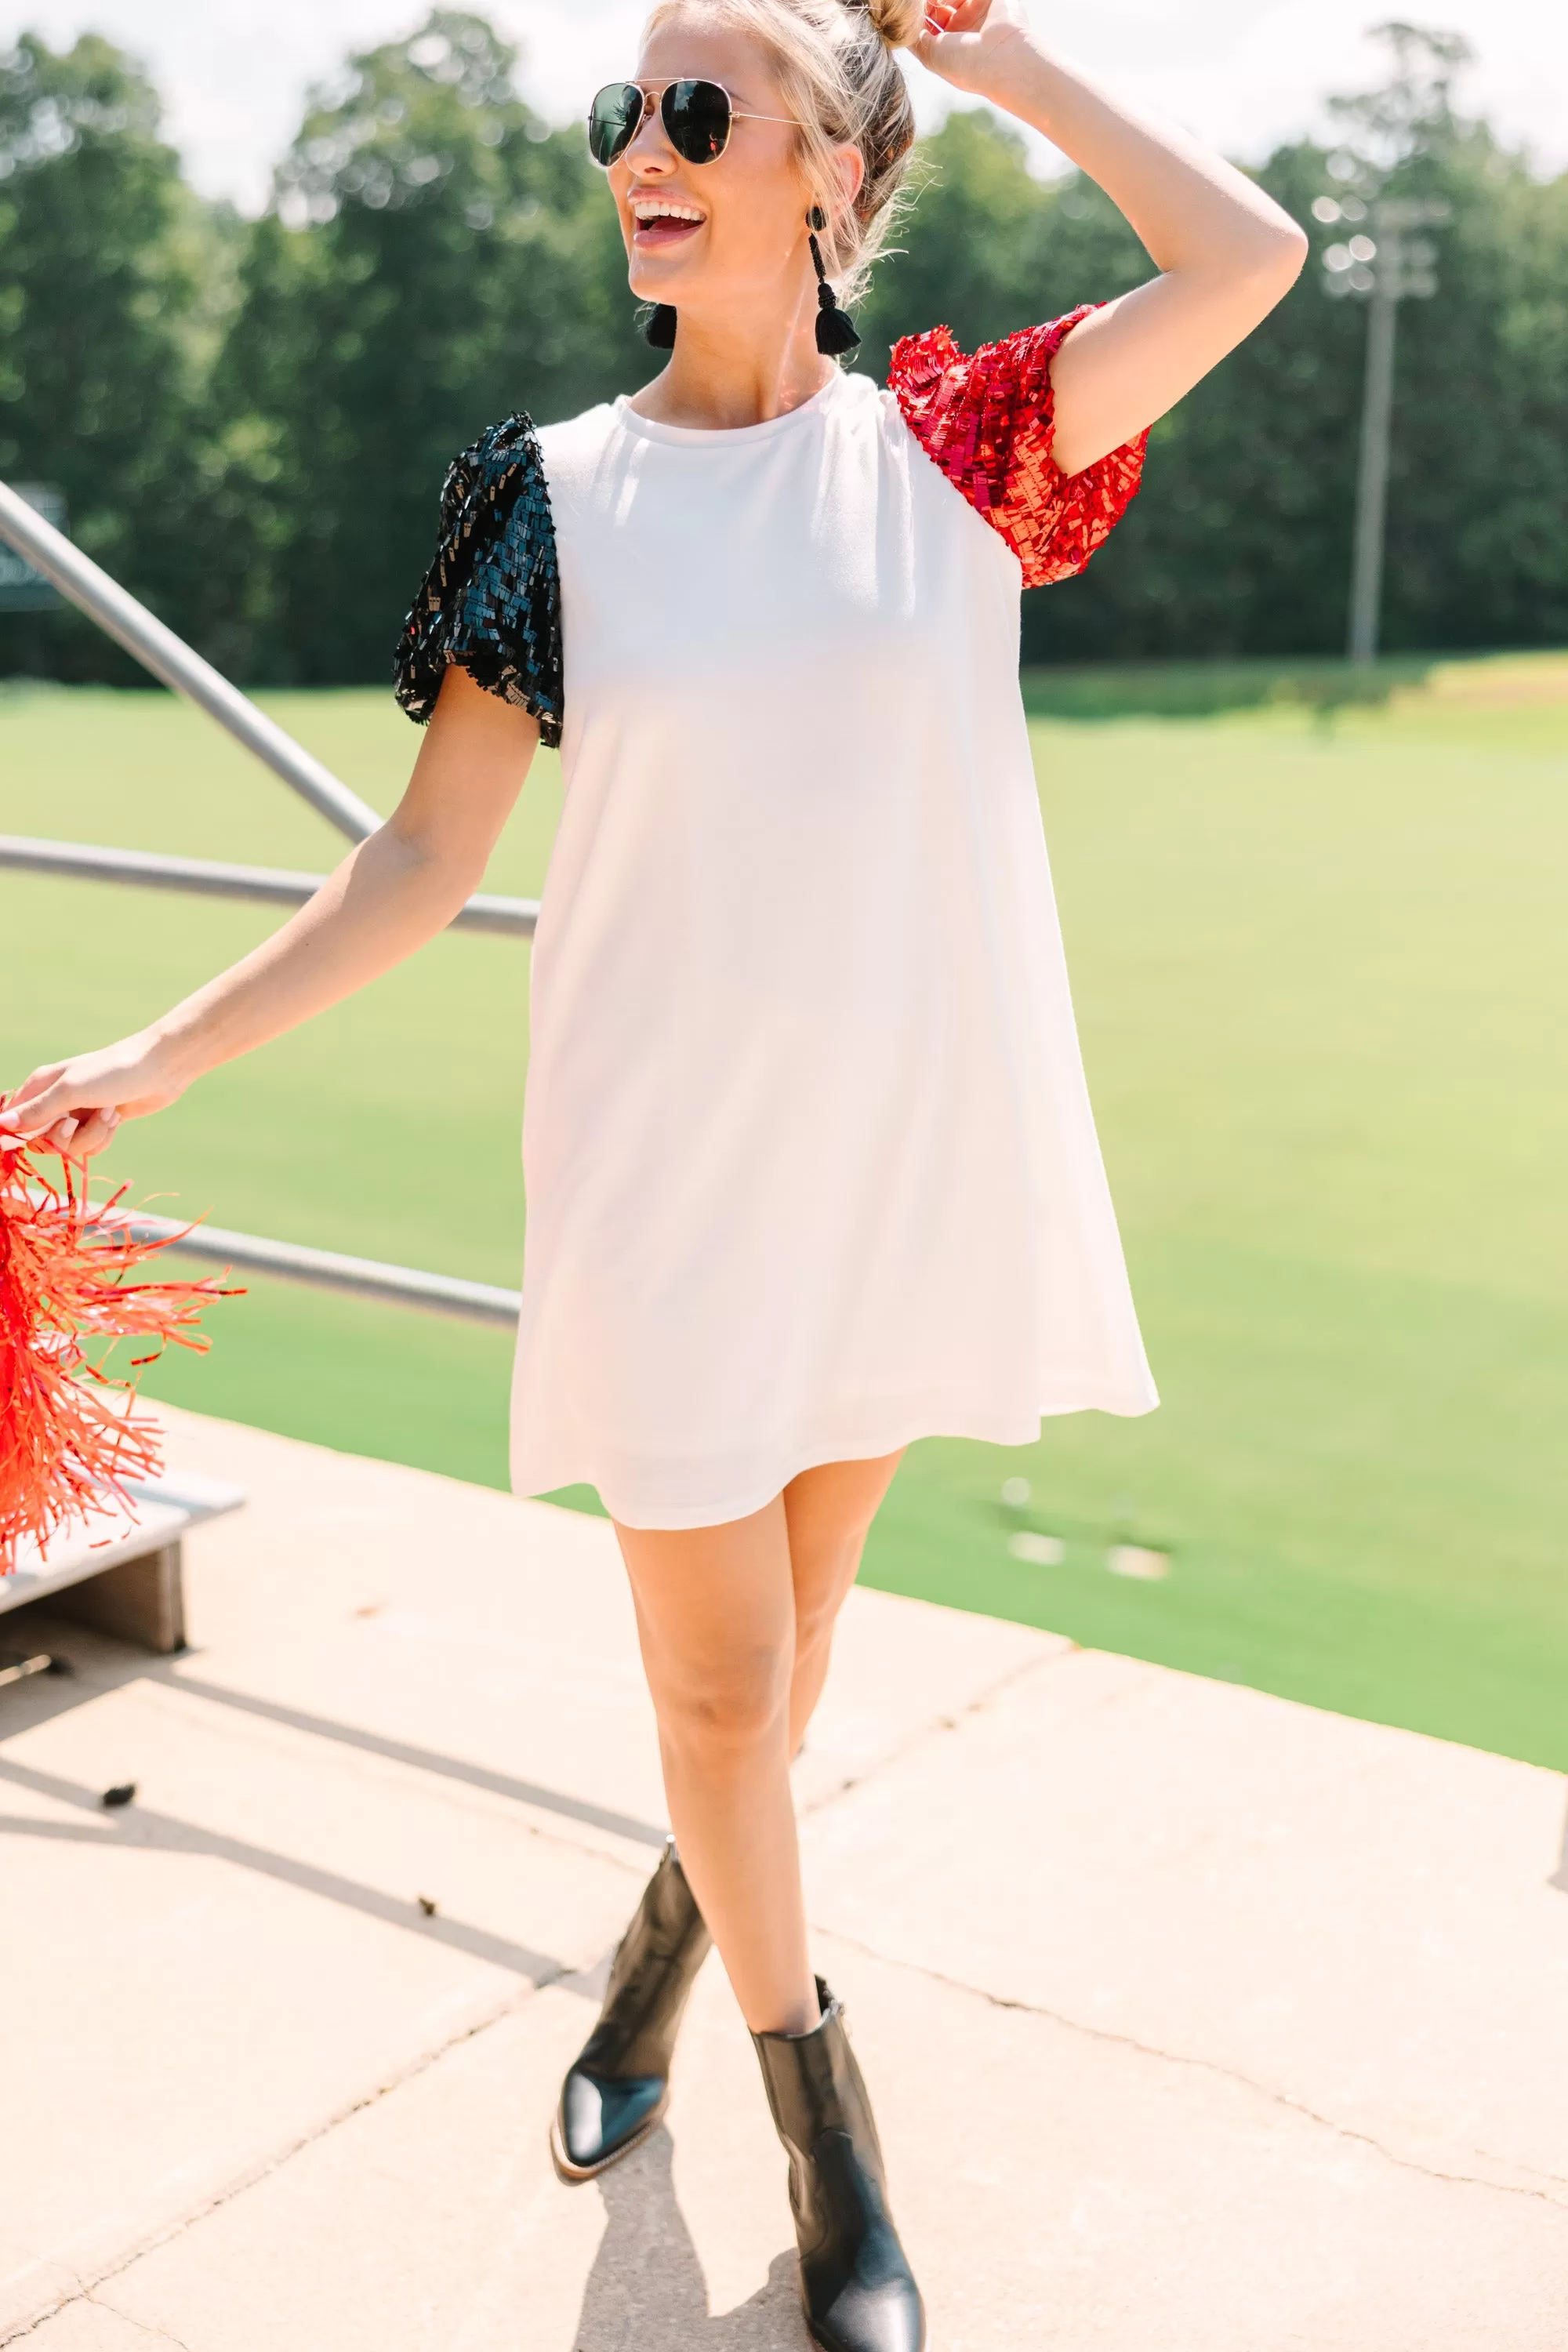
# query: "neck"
(728, 372)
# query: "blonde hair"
(841, 82)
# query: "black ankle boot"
(856, 2283)
(618, 2089)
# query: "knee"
(728, 1712)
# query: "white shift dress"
(810, 1164)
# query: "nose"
(649, 153)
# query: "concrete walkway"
(1197, 2021)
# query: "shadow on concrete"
(164, 1833)
(645, 2292)
(424, 1759)
(99, 1664)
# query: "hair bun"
(899, 22)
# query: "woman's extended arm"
(1226, 251)
(391, 894)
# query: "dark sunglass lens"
(613, 120)
(697, 117)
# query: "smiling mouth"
(659, 226)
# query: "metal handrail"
(445, 1294)
(207, 878)
(170, 659)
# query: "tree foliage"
(105, 258)
(1240, 539)
(434, 260)
(251, 421)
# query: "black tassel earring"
(835, 328)
(659, 327)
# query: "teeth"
(657, 208)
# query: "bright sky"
(1241, 72)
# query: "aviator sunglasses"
(697, 117)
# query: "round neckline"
(728, 436)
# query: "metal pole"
(207, 878)
(1372, 482)
(170, 659)
(445, 1294)
(80, 862)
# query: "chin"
(648, 285)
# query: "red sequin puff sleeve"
(988, 423)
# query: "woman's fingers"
(32, 1086)
(93, 1134)
(64, 1106)
(43, 1113)
(960, 35)
(56, 1119)
(119, 1083)
(945, 19)
(33, 1115)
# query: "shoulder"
(502, 452)
(490, 598)
(496, 479)
(930, 375)
(515, 454)
(569, 451)
(513, 442)
(986, 419)
(503, 488)
(590, 429)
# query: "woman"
(810, 1163)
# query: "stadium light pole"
(1384, 263)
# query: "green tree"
(434, 259)
(110, 276)
(251, 420)
(1240, 539)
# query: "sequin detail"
(988, 423)
(492, 599)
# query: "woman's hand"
(74, 1106)
(967, 42)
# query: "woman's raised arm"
(1226, 253)
(391, 894)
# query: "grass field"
(1316, 942)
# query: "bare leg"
(717, 1617)
(829, 1513)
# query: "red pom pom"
(70, 1437)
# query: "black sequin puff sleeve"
(492, 599)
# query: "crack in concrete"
(1284, 2099)
(87, 2288)
(931, 1728)
(154, 2335)
(268, 2166)
(1212, 2066)
(936, 1726)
